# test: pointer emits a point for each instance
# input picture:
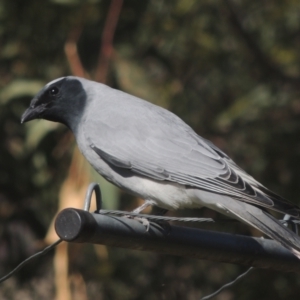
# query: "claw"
(143, 221)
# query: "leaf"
(134, 79)
(20, 88)
(36, 131)
(247, 107)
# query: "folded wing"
(165, 148)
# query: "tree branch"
(106, 50)
(72, 53)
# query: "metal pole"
(79, 226)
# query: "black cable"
(24, 262)
(227, 285)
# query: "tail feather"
(254, 216)
(270, 226)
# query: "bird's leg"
(142, 207)
(157, 211)
(142, 220)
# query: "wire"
(179, 219)
(27, 260)
(227, 285)
(157, 218)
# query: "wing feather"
(159, 145)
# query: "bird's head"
(62, 100)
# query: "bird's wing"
(175, 153)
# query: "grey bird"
(151, 153)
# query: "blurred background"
(230, 69)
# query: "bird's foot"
(143, 221)
(155, 210)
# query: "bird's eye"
(53, 91)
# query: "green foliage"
(228, 68)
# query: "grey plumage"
(152, 153)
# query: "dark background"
(230, 69)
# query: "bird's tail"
(253, 216)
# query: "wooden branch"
(72, 53)
(106, 50)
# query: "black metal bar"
(74, 225)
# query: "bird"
(151, 153)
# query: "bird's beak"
(29, 114)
